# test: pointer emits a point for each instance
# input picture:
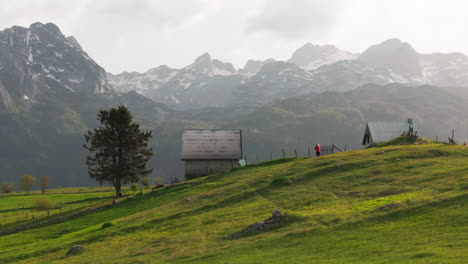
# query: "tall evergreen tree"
(118, 149)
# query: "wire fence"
(18, 219)
(294, 153)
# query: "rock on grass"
(75, 249)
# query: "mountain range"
(311, 68)
(51, 91)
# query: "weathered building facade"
(208, 152)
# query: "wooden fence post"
(308, 151)
(284, 154)
(295, 153)
(345, 147)
(451, 141)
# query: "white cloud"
(294, 19)
(141, 34)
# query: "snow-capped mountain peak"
(74, 42)
(202, 68)
(312, 68)
(204, 59)
(311, 56)
(253, 66)
(46, 62)
(142, 82)
(208, 66)
(220, 68)
(398, 56)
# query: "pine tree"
(118, 149)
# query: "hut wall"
(200, 168)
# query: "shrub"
(43, 204)
(134, 187)
(145, 181)
(283, 180)
(6, 187)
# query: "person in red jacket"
(317, 150)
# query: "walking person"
(317, 150)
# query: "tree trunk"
(118, 189)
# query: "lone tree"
(6, 187)
(44, 182)
(26, 182)
(118, 149)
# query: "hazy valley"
(50, 90)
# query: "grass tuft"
(283, 180)
(106, 225)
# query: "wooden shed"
(377, 132)
(207, 152)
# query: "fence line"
(48, 217)
(294, 153)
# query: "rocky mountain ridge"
(39, 63)
(311, 69)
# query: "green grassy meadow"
(16, 209)
(57, 196)
(388, 204)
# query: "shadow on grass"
(397, 213)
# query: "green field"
(391, 204)
(16, 209)
(57, 196)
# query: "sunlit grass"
(338, 202)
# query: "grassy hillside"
(392, 204)
(16, 208)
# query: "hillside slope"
(394, 204)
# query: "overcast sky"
(135, 35)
